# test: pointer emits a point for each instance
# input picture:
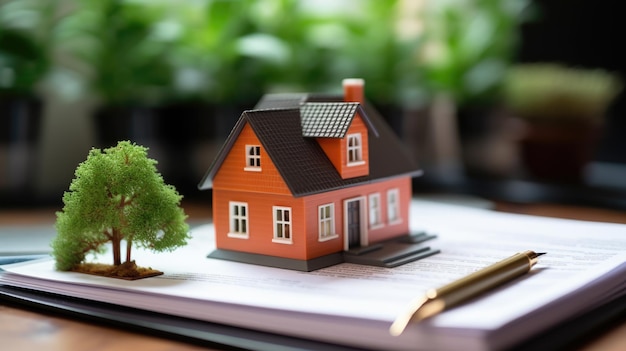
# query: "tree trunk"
(117, 255)
(129, 245)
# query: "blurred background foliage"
(468, 46)
(25, 45)
(223, 51)
(554, 92)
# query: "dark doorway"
(353, 211)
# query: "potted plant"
(122, 59)
(466, 49)
(24, 63)
(119, 51)
(564, 110)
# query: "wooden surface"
(22, 329)
(26, 330)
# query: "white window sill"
(252, 169)
(327, 238)
(356, 163)
(395, 222)
(237, 235)
(282, 241)
(377, 226)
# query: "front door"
(354, 223)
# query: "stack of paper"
(354, 305)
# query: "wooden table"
(22, 329)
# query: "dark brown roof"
(300, 160)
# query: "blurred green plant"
(206, 64)
(220, 50)
(548, 91)
(330, 40)
(223, 51)
(26, 39)
(238, 50)
(118, 49)
(468, 46)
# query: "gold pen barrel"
(486, 279)
(475, 284)
(437, 300)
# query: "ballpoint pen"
(435, 301)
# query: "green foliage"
(26, 31)
(118, 195)
(224, 51)
(557, 92)
(151, 52)
(468, 46)
(118, 49)
(21, 62)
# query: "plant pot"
(20, 128)
(489, 138)
(559, 152)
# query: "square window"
(238, 220)
(393, 206)
(253, 158)
(375, 211)
(355, 149)
(326, 223)
(282, 225)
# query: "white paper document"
(355, 305)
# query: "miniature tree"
(117, 195)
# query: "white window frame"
(253, 161)
(393, 206)
(282, 225)
(237, 220)
(375, 211)
(354, 150)
(326, 222)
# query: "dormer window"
(355, 150)
(253, 158)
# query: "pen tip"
(540, 254)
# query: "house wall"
(337, 150)
(386, 230)
(260, 224)
(306, 243)
(232, 176)
(390, 229)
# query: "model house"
(305, 181)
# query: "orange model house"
(306, 181)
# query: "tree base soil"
(126, 271)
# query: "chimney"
(353, 90)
